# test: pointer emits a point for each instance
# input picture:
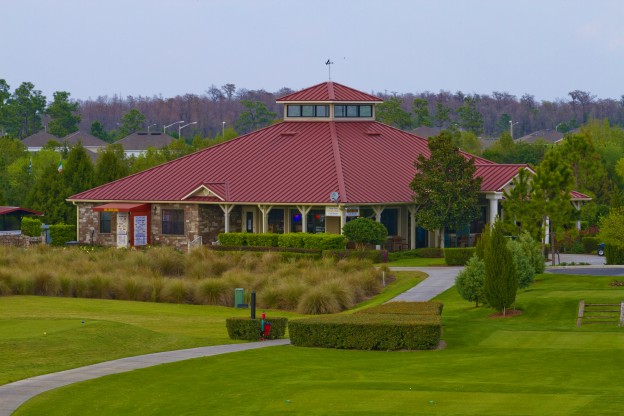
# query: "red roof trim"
(336, 149)
(578, 196)
(328, 92)
(118, 207)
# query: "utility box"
(239, 298)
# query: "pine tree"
(111, 164)
(501, 280)
(63, 119)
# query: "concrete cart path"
(440, 279)
(14, 394)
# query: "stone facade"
(89, 227)
(19, 240)
(212, 222)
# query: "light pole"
(511, 124)
(222, 129)
(177, 122)
(148, 127)
(181, 127)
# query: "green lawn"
(40, 335)
(417, 262)
(537, 363)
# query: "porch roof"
(18, 210)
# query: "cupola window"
(308, 110)
(353, 111)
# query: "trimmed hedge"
(590, 244)
(367, 332)
(250, 329)
(406, 308)
(31, 227)
(233, 239)
(458, 256)
(430, 253)
(62, 233)
(376, 256)
(614, 255)
(262, 240)
(322, 241)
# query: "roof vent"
(373, 133)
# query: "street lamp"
(177, 122)
(511, 124)
(181, 127)
(222, 129)
(148, 127)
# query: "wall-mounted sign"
(122, 229)
(140, 230)
(352, 211)
(333, 212)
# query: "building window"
(105, 222)
(307, 111)
(173, 221)
(353, 111)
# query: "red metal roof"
(268, 166)
(495, 177)
(18, 210)
(327, 92)
(576, 195)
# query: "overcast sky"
(169, 47)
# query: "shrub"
(590, 244)
(62, 233)
(233, 239)
(522, 264)
(324, 241)
(294, 240)
(319, 300)
(250, 329)
(469, 282)
(430, 253)
(501, 281)
(213, 292)
(362, 231)
(406, 308)
(533, 251)
(262, 240)
(31, 227)
(458, 256)
(614, 255)
(367, 332)
(165, 261)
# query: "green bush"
(362, 231)
(522, 264)
(376, 256)
(458, 256)
(614, 255)
(430, 253)
(406, 308)
(262, 240)
(233, 239)
(294, 240)
(469, 282)
(324, 241)
(62, 233)
(250, 329)
(533, 251)
(590, 244)
(367, 332)
(31, 227)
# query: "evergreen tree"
(78, 171)
(391, 113)
(420, 107)
(254, 116)
(442, 115)
(469, 116)
(48, 196)
(111, 164)
(501, 280)
(469, 282)
(445, 188)
(63, 119)
(98, 130)
(24, 110)
(131, 122)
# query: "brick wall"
(89, 226)
(18, 240)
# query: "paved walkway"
(14, 394)
(440, 279)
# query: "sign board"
(352, 211)
(333, 212)
(140, 230)
(122, 229)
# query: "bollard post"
(253, 305)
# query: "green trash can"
(239, 298)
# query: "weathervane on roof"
(329, 63)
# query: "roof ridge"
(338, 162)
(330, 91)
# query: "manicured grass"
(538, 363)
(40, 335)
(417, 262)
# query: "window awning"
(121, 207)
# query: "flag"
(60, 168)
